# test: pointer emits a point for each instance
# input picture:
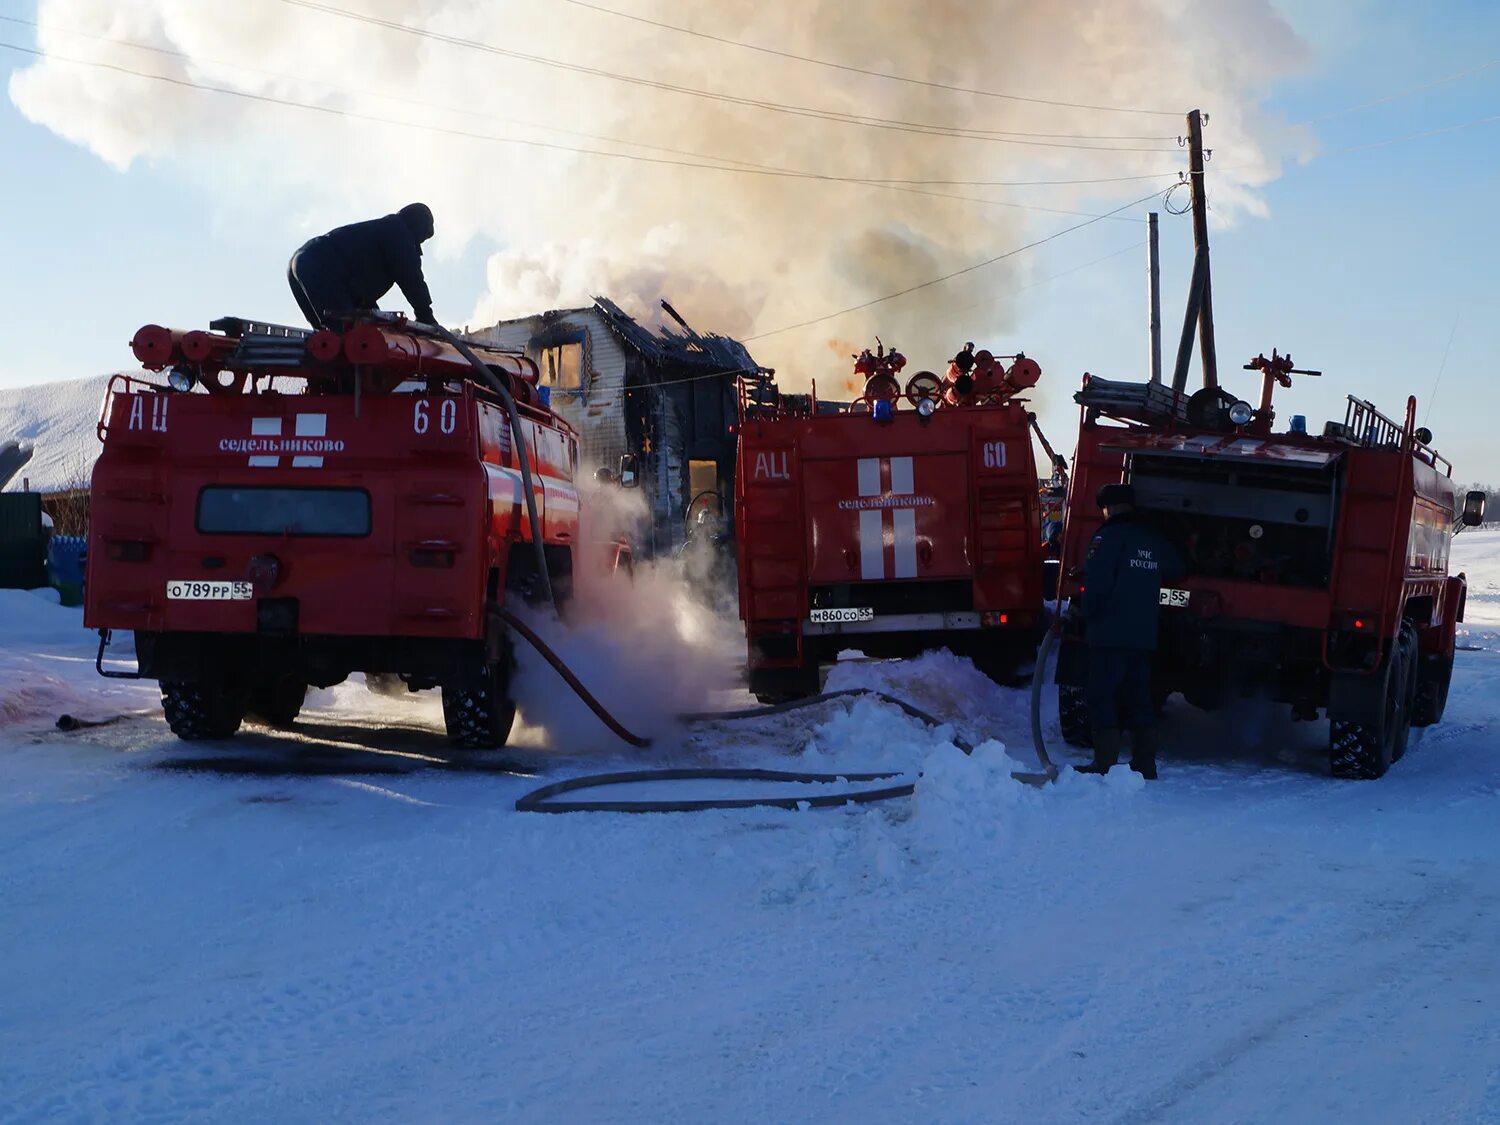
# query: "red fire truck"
(288, 507)
(904, 520)
(1316, 563)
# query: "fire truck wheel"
(479, 715)
(1434, 672)
(1073, 716)
(1432, 692)
(1407, 643)
(277, 700)
(772, 686)
(210, 709)
(1365, 750)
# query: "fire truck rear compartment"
(1244, 529)
(1270, 524)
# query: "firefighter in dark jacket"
(353, 267)
(1128, 561)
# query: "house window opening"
(562, 366)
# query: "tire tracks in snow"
(1437, 947)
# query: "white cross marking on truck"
(872, 534)
(304, 426)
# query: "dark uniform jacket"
(1127, 564)
(374, 255)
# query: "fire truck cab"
(1316, 563)
(289, 507)
(904, 520)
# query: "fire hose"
(539, 800)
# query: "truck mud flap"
(1357, 698)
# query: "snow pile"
(47, 663)
(58, 421)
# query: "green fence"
(23, 544)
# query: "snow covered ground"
(335, 925)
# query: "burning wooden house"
(665, 397)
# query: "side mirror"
(1473, 513)
(1423, 435)
(630, 474)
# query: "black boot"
(1143, 752)
(1106, 751)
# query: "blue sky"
(1365, 264)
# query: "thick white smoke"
(645, 641)
(736, 253)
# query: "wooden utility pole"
(1153, 266)
(1200, 245)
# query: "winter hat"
(418, 218)
(1116, 495)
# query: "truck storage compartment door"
(887, 517)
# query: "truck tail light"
(128, 550)
(994, 619)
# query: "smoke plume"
(738, 253)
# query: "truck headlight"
(181, 379)
(925, 406)
(1240, 413)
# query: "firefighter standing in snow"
(1127, 563)
(352, 267)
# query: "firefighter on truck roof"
(1128, 561)
(352, 267)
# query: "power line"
(1019, 289)
(1432, 395)
(467, 134)
(956, 273)
(992, 136)
(1054, 276)
(890, 77)
(1409, 137)
(1402, 94)
(198, 60)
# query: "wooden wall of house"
(597, 409)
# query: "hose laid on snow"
(537, 799)
(813, 700)
(572, 681)
(1049, 642)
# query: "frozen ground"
(338, 926)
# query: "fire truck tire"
(1407, 644)
(1073, 715)
(1364, 751)
(784, 685)
(205, 710)
(1432, 692)
(277, 700)
(479, 715)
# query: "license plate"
(1174, 597)
(842, 616)
(196, 590)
